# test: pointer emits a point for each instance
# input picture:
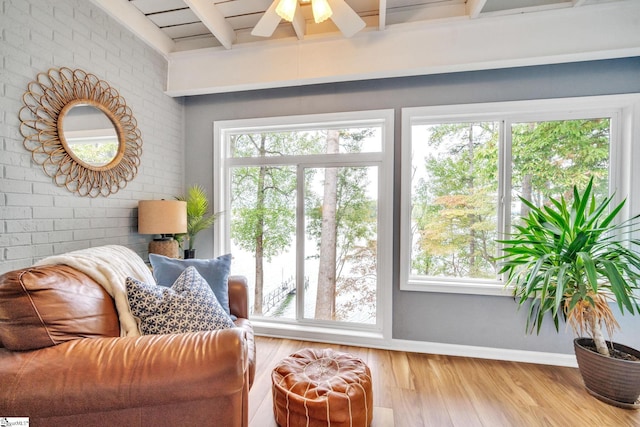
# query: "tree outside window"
(340, 205)
(455, 184)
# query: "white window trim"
(379, 333)
(624, 178)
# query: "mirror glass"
(90, 135)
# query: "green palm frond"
(198, 218)
(570, 256)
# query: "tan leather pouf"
(314, 388)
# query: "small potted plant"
(571, 262)
(198, 218)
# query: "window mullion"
(505, 174)
(300, 242)
(504, 178)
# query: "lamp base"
(168, 248)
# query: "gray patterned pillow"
(188, 306)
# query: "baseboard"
(524, 356)
(374, 340)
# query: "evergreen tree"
(455, 190)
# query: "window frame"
(383, 159)
(625, 126)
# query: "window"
(454, 190)
(307, 216)
(468, 166)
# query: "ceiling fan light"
(286, 9)
(321, 10)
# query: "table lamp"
(163, 218)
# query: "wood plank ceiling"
(194, 24)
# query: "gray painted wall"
(37, 218)
(442, 318)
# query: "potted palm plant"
(570, 261)
(198, 218)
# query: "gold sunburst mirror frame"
(48, 103)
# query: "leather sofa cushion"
(48, 305)
(108, 375)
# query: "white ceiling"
(194, 24)
(209, 47)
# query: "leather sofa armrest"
(239, 296)
(102, 374)
(245, 324)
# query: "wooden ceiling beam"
(474, 7)
(129, 16)
(215, 21)
(382, 15)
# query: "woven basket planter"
(614, 381)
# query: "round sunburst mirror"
(81, 131)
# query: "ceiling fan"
(345, 18)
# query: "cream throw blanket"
(110, 266)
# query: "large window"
(468, 166)
(306, 203)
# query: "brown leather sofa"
(62, 361)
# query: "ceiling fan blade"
(345, 18)
(299, 24)
(268, 23)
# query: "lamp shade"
(286, 9)
(162, 216)
(321, 10)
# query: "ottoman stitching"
(350, 373)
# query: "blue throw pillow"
(188, 306)
(215, 271)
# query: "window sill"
(491, 288)
(307, 332)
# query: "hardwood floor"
(416, 390)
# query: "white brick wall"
(37, 218)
